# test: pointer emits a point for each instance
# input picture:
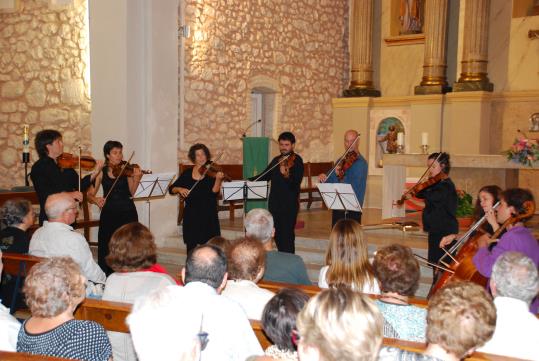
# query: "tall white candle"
(26, 140)
(424, 138)
(400, 138)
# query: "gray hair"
(13, 212)
(259, 225)
(515, 276)
(56, 204)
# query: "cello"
(461, 267)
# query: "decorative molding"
(405, 39)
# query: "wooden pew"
(17, 265)
(85, 222)
(21, 356)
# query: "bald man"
(354, 174)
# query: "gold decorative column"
(474, 75)
(434, 80)
(361, 50)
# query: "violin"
(126, 169)
(287, 164)
(421, 186)
(210, 168)
(69, 161)
(347, 162)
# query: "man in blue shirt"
(352, 170)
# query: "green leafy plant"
(465, 207)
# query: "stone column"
(474, 74)
(434, 79)
(361, 50)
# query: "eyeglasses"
(296, 337)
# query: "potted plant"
(465, 209)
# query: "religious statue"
(410, 17)
(534, 120)
(391, 139)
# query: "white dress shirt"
(56, 239)
(127, 287)
(367, 288)
(517, 330)
(230, 335)
(251, 298)
(9, 330)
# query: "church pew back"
(16, 264)
(20, 356)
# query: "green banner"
(255, 160)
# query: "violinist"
(49, 178)
(200, 190)
(118, 208)
(513, 206)
(351, 170)
(439, 214)
(285, 172)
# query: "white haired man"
(56, 238)
(514, 284)
(280, 266)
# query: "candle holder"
(400, 149)
(425, 149)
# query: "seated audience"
(53, 289)
(57, 238)
(9, 326)
(347, 259)
(280, 266)
(246, 262)
(461, 317)
(16, 217)
(133, 258)
(397, 270)
(339, 324)
(514, 283)
(279, 320)
(162, 330)
(230, 334)
(220, 242)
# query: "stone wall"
(43, 54)
(297, 49)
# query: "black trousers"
(285, 224)
(338, 215)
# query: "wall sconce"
(185, 31)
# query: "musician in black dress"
(48, 178)
(200, 219)
(118, 207)
(285, 181)
(439, 214)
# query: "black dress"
(119, 209)
(12, 240)
(283, 202)
(200, 220)
(439, 215)
(48, 178)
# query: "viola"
(210, 168)
(69, 161)
(287, 164)
(347, 162)
(421, 186)
(126, 169)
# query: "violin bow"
(342, 157)
(206, 168)
(119, 175)
(80, 167)
(283, 158)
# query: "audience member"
(339, 324)
(53, 289)
(162, 330)
(230, 334)
(397, 270)
(9, 326)
(514, 283)
(347, 259)
(280, 266)
(16, 216)
(246, 262)
(132, 256)
(57, 238)
(220, 242)
(461, 317)
(279, 320)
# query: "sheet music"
(153, 185)
(339, 196)
(255, 190)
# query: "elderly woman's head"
(15, 212)
(132, 248)
(279, 317)
(340, 324)
(397, 270)
(54, 286)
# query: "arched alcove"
(264, 104)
